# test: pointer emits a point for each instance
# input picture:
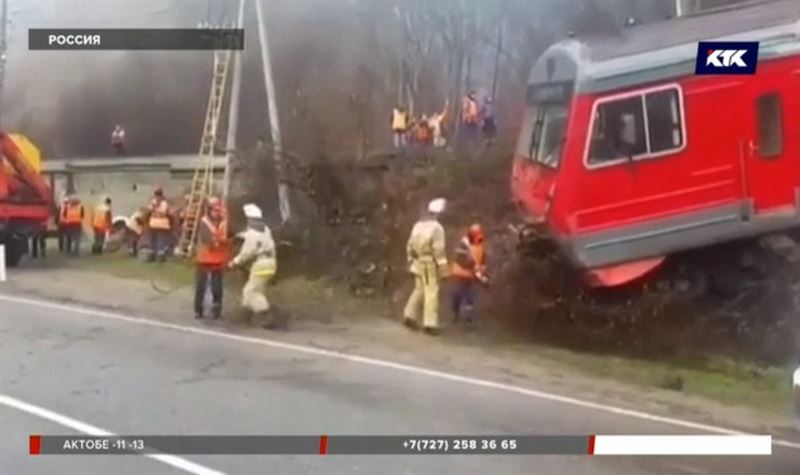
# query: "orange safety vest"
(100, 221)
(478, 253)
(214, 253)
(423, 133)
(159, 215)
(72, 214)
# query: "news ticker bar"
(404, 445)
(135, 39)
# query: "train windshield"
(543, 134)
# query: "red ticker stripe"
(35, 444)
(323, 444)
(591, 445)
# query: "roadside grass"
(173, 273)
(718, 379)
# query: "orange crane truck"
(25, 197)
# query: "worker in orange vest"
(211, 259)
(422, 131)
(101, 224)
(436, 125)
(468, 271)
(118, 140)
(399, 123)
(470, 116)
(135, 228)
(159, 226)
(61, 229)
(72, 214)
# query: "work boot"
(410, 323)
(432, 331)
(268, 320)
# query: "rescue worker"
(468, 271)
(489, 127)
(181, 213)
(470, 116)
(159, 227)
(425, 251)
(101, 224)
(135, 228)
(258, 252)
(211, 258)
(436, 125)
(422, 131)
(72, 214)
(399, 126)
(38, 243)
(118, 140)
(60, 228)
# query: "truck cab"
(25, 197)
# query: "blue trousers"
(463, 298)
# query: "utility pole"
(233, 111)
(3, 48)
(283, 189)
(678, 8)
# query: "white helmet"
(252, 211)
(437, 206)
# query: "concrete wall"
(128, 189)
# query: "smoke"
(336, 67)
(69, 101)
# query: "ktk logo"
(726, 57)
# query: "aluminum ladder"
(203, 178)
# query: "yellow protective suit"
(428, 264)
(258, 250)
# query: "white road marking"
(687, 468)
(399, 367)
(172, 460)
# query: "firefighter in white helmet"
(257, 252)
(428, 263)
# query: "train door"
(770, 175)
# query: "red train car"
(626, 156)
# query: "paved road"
(129, 378)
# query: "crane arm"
(22, 166)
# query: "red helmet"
(475, 233)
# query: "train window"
(636, 126)
(549, 134)
(770, 128)
(618, 131)
(526, 134)
(663, 120)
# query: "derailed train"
(626, 155)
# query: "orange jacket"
(212, 243)
(159, 215)
(101, 218)
(469, 261)
(72, 213)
